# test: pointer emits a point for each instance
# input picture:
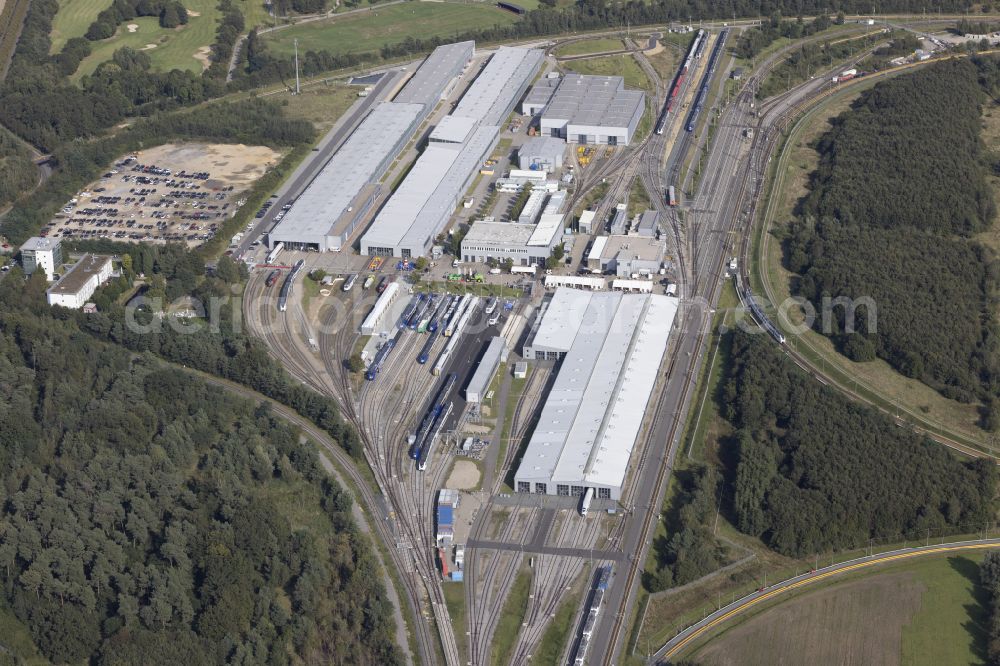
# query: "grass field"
(638, 198)
(617, 65)
(511, 618)
(895, 388)
(73, 19)
(596, 45)
(991, 137)
(185, 47)
(925, 612)
(321, 104)
(359, 33)
(12, 13)
(20, 649)
(665, 63)
(555, 636)
(454, 599)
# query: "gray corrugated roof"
(436, 73)
(495, 91)
(592, 416)
(428, 195)
(358, 162)
(594, 100)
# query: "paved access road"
(682, 640)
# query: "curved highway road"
(684, 639)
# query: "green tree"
(356, 364)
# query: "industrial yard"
(455, 358)
(180, 193)
(501, 317)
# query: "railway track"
(422, 584)
(486, 591)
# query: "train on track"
(758, 312)
(286, 287)
(404, 319)
(272, 278)
(694, 52)
(706, 81)
(432, 423)
(671, 196)
(425, 352)
(273, 254)
(602, 579)
(380, 356)
(426, 303)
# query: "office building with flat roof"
(44, 254)
(593, 109)
(330, 209)
(80, 282)
(612, 346)
(626, 256)
(541, 153)
(523, 244)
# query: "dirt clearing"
(464, 476)
(859, 622)
(203, 55)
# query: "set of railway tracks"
(553, 577)
(487, 590)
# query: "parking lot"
(180, 193)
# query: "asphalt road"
(312, 165)
(678, 643)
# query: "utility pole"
(297, 89)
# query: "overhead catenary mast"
(296, 43)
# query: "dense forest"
(150, 519)
(989, 578)
(900, 187)
(18, 172)
(813, 472)
(689, 551)
(224, 348)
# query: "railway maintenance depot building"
(593, 109)
(611, 346)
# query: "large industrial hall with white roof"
(610, 346)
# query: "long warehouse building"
(422, 205)
(326, 214)
(611, 346)
(432, 79)
(496, 91)
(340, 197)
